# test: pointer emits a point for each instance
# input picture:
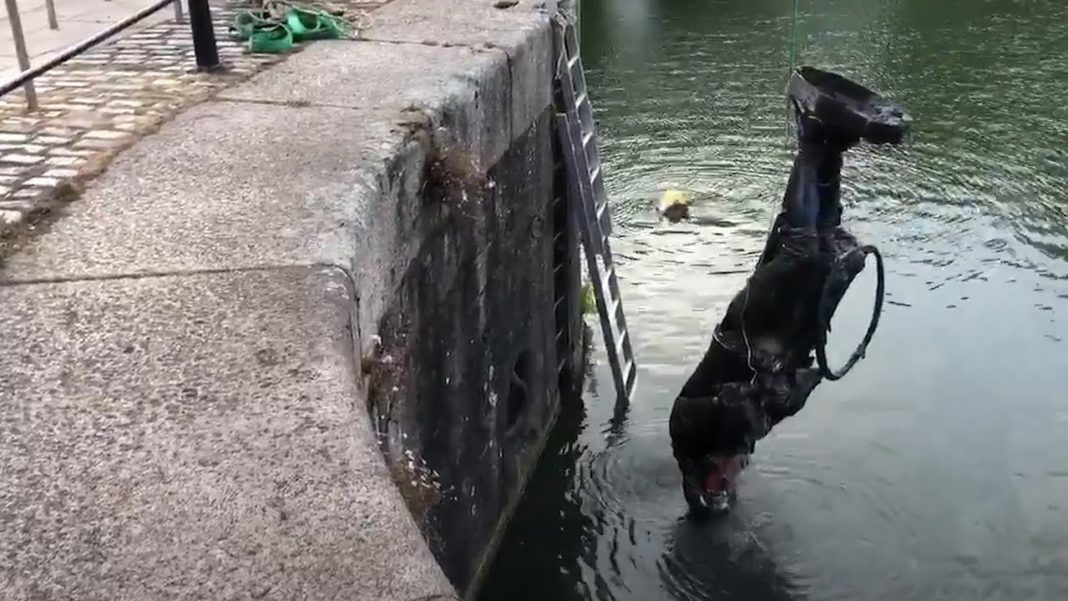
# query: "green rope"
(277, 25)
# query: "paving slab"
(226, 185)
(520, 30)
(473, 23)
(465, 89)
(195, 437)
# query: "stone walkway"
(104, 100)
(77, 20)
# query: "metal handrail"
(204, 45)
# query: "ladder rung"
(581, 98)
(595, 172)
(601, 210)
(571, 62)
(586, 137)
(609, 273)
(621, 338)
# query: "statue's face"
(711, 484)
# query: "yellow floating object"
(674, 197)
(674, 205)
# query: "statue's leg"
(772, 318)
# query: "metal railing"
(204, 44)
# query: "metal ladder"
(575, 128)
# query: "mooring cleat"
(838, 110)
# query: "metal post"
(203, 35)
(20, 51)
(178, 16)
(50, 6)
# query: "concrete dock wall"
(351, 273)
(467, 386)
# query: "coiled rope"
(828, 304)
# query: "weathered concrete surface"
(195, 437)
(401, 190)
(473, 388)
(291, 181)
(262, 197)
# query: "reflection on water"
(938, 469)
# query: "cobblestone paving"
(102, 101)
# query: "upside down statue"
(758, 369)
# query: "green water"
(938, 469)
